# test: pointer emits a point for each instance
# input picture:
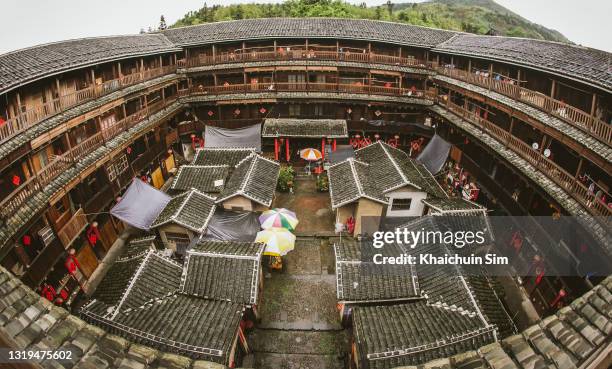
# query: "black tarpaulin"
(434, 154)
(248, 137)
(140, 205)
(232, 226)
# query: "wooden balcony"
(34, 115)
(552, 170)
(559, 109)
(301, 52)
(59, 163)
(73, 228)
(308, 87)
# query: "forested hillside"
(474, 16)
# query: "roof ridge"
(131, 285)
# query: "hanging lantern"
(467, 141)
(16, 180)
(262, 110)
(349, 110)
(535, 146)
(210, 113)
(128, 150)
(547, 153)
(237, 111)
(378, 113)
(27, 240)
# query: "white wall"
(408, 192)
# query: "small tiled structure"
(328, 130)
(204, 178)
(409, 315)
(360, 281)
(236, 267)
(184, 218)
(382, 181)
(251, 185)
(201, 302)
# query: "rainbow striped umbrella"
(311, 154)
(279, 241)
(278, 217)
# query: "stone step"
(273, 341)
(298, 361)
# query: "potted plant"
(322, 183)
(285, 179)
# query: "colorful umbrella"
(311, 154)
(279, 241)
(279, 217)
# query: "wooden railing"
(559, 109)
(553, 171)
(34, 115)
(255, 56)
(71, 230)
(307, 87)
(11, 203)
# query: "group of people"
(459, 183)
(596, 193)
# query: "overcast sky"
(31, 22)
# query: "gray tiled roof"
(220, 156)
(451, 204)
(26, 65)
(359, 280)
(254, 178)
(567, 339)
(357, 29)
(117, 279)
(392, 168)
(156, 277)
(351, 180)
(191, 210)
(227, 271)
(582, 63)
(414, 333)
(200, 177)
(287, 127)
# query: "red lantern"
(262, 110)
(210, 113)
(16, 180)
(128, 150)
(27, 240)
(237, 111)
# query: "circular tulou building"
(525, 125)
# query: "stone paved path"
(300, 326)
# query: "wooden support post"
(469, 66)
(287, 150)
(553, 87)
(276, 149)
(594, 104)
(579, 169)
(119, 69)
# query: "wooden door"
(87, 259)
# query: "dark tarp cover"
(140, 205)
(232, 226)
(434, 154)
(249, 137)
(342, 153)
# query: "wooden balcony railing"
(553, 171)
(34, 115)
(559, 109)
(71, 230)
(307, 87)
(303, 54)
(59, 163)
